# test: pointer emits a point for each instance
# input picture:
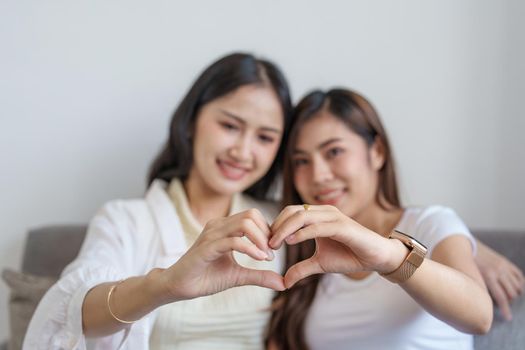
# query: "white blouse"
(129, 238)
(232, 319)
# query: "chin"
(228, 187)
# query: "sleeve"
(106, 255)
(437, 223)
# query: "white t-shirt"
(373, 313)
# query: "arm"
(504, 280)
(76, 306)
(455, 293)
(450, 287)
(207, 267)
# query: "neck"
(204, 203)
(378, 219)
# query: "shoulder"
(432, 224)
(431, 214)
(123, 209)
(121, 220)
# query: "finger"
(225, 245)
(243, 224)
(519, 283)
(284, 215)
(518, 279)
(291, 210)
(248, 228)
(259, 220)
(508, 286)
(301, 270)
(312, 231)
(297, 221)
(500, 298)
(516, 271)
(262, 278)
(264, 227)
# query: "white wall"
(87, 88)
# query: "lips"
(330, 196)
(231, 170)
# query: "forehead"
(257, 105)
(322, 127)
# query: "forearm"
(130, 300)
(451, 296)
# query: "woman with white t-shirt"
(351, 286)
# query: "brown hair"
(290, 307)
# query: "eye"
(229, 126)
(266, 139)
(297, 162)
(334, 152)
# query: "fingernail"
(290, 238)
(270, 254)
(262, 254)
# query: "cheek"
(266, 154)
(351, 168)
(216, 139)
(301, 181)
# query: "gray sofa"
(49, 249)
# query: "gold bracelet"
(109, 307)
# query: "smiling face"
(334, 165)
(236, 139)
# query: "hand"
(504, 280)
(342, 245)
(209, 267)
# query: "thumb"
(301, 270)
(261, 278)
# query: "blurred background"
(87, 89)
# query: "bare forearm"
(451, 296)
(131, 300)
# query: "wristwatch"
(413, 260)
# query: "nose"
(241, 150)
(321, 171)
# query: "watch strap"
(414, 259)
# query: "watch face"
(408, 240)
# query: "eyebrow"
(320, 146)
(243, 122)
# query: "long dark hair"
(290, 308)
(220, 78)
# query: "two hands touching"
(343, 246)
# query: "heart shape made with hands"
(231, 251)
(323, 240)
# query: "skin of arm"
(207, 267)
(450, 287)
(141, 294)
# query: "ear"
(377, 154)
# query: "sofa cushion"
(26, 290)
(505, 335)
(49, 249)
